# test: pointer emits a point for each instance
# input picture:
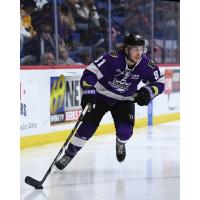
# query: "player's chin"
(136, 59)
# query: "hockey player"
(109, 84)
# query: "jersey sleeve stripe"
(92, 67)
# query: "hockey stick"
(38, 184)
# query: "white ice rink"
(149, 172)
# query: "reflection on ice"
(149, 172)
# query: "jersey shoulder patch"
(151, 64)
(113, 54)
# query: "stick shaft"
(63, 147)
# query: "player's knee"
(84, 133)
(86, 130)
(124, 131)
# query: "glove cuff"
(150, 90)
(89, 91)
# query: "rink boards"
(50, 103)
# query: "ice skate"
(120, 150)
(63, 162)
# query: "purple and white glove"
(89, 96)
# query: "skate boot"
(63, 162)
(120, 150)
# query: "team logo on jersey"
(151, 64)
(120, 81)
(120, 86)
(113, 54)
(124, 75)
(131, 117)
(118, 70)
(135, 76)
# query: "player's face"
(135, 53)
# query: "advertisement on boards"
(168, 102)
(50, 99)
(65, 99)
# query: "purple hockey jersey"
(114, 80)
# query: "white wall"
(35, 101)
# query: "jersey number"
(156, 75)
(99, 61)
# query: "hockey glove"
(89, 96)
(144, 95)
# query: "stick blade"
(32, 182)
